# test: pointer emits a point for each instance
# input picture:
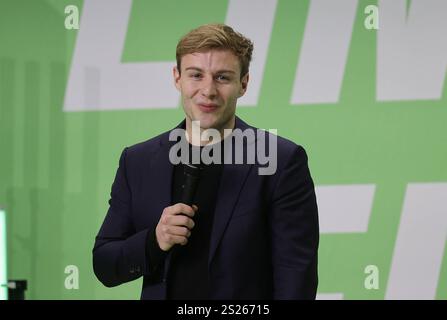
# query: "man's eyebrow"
(200, 70)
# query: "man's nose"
(209, 89)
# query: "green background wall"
(56, 167)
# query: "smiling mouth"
(207, 107)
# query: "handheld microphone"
(191, 176)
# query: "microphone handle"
(189, 188)
(190, 184)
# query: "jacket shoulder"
(285, 148)
(288, 148)
(147, 147)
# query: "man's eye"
(222, 78)
(195, 75)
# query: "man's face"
(210, 85)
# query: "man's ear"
(176, 75)
(244, 85)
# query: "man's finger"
(181, 220)
(178, 239)
(179, 231)
(181, 208)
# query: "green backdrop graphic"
(56, 168)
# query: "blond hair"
(216, 36)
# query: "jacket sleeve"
(120, 254)
(295, 231)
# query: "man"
(247, 236)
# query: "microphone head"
(191, 177)
(192, 169)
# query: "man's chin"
(207, 123)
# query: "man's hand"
(174, 226)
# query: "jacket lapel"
(232, 181)
(161, 170)
(160, 175)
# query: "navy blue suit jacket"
(265, 234)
